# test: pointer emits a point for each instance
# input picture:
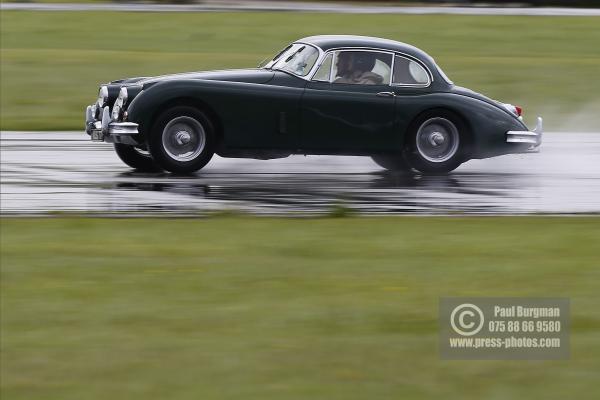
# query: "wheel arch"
(188, 101)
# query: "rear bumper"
(528, 141)
(106, 130)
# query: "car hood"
(232, 75)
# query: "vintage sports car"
(344, 95)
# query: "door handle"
(386, 94)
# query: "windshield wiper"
(291, 57)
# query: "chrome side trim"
(527, 137)
(356, 49)
(321, 62)
(309, 76)
(416, 85)
(392, 70)
(331, 66)
(393, 52)
(123, 128)
(323, 54)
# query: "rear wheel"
(395, 163)
(437, 142)
(182, 140)
(135, 157)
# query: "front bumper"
(105, 129)
(528, 141)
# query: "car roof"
(326, 42)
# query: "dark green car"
(341, 95)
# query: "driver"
(355, 67)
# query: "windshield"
(297, 59)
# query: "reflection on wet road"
(53, 172)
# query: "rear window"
(409, 72)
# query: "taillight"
(516, 110)
(519, 110)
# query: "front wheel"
(437, 142)
(136, 158)
(182, 140)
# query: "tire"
(182, 140)
(136, 158)
(392, 163)
(437, 142)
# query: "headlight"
(116, 111)
(123, 95)
(102, 97)
(119, 104)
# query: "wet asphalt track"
(65, 172)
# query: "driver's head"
(351, 61)
(344, 63)
(363, 61)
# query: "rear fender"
(487, 122)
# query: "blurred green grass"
(53, 62)
(261, 308)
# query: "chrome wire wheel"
(437, 140)
(183, 139)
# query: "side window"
(322, 74)
(362, 67)
(409, 72)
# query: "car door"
(411, 86)
(345, 110)
(266, 116)
(263, 116)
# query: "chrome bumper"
(107, 130)
(531, 138)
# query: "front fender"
(146, 106)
